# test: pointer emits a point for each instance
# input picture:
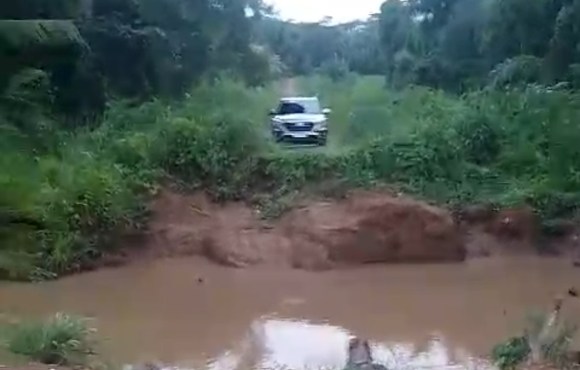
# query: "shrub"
(518, 70)
(60, 340)
(20, 217)
(219, 155)
(511, 353)
(85, 202)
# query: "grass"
(85, 187)
(60, 340)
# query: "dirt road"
(289, 87)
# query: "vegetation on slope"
(509, 147)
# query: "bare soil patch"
(359, 227)
(364, 227)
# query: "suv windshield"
(305, 106)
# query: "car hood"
(301, 117)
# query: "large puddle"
(193, 314)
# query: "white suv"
(300, 119)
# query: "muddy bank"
(363, 228)
(489, 231)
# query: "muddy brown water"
(191, 313)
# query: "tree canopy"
(129, 48)
(449, 44)
(144, 48)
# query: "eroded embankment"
(364, 227)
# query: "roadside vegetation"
(510, 148)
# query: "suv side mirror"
(272, 112)
(326, 111)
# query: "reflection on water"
(415, 315)
(293, 344)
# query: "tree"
(31, 41)
(399, 37)
(519, 27)
(565, 44)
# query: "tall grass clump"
(60, 340)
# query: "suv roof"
(298, 98)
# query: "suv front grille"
(306, 126)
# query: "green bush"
(60, 340)
(220, 155)
(19, 182)
(511, 353)
(86, 200)
(515, 71)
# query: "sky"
(315, 10)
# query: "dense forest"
(139, 49)
(122, 48)
(450, 44)
(103, 101)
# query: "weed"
(60, 340)
(511, 353)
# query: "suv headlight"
(320, 126)
(276, 122)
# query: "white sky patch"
(315, 10)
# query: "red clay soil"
(365, 227)
(503, 232)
